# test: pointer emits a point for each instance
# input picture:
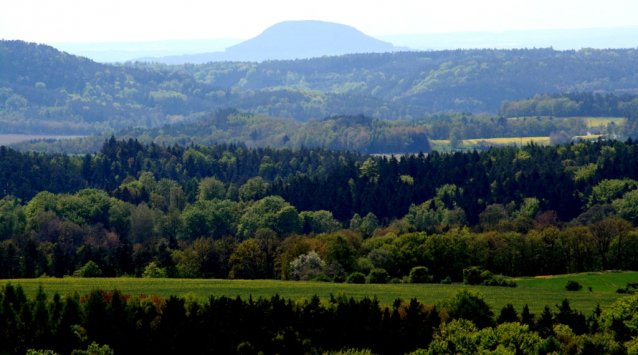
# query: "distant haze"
(291, 40)
(562, 39)
(307, 39)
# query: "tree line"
(227, 211)
(433, 81)
(112, 322)
(584, 104)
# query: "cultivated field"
(470, 144)
(536, 292)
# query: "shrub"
(356, 278)
(446, 281)
(152, 271)
(420, 275)
(90, 269)
(322, 277)
(573, 286)
(476, 276)
(378, 276)
(306, 267)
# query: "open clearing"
(6, 139)
(536, 292)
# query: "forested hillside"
(43, 90)
(229, 211)
(355, 133)
(460, 80)
(573, 104)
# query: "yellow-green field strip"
(536, 292)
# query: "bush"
(446, 281)
(476, 276)
(356, 278)
(322, 277)
(420, 275)
(152, 271)
(90, 269)
(378, 276)
(573, 286)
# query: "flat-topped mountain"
(292, 40)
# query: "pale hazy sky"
(54, 21)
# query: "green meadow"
(536, 292)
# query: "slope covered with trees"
(43, 90)
(460, 80)
(573, 104)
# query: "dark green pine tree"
(545, 324)
(508, 315)
(527, 318)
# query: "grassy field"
(536, 292)
(591, 121)
(469, 144)
(603, 121)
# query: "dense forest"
(107, 323)
(356, 133)
(458, 80)
(573, 104)
(43, 90)
(228, 211)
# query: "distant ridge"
(291, 40)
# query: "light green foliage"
(632, 346)
(407, 179)
(349, 352)
(211, 188)
(152, 271)
(627, 206)
(270, 212)
(529, 208)
(370, 170)
(90, 269)
(41, 352)
(609, 190)
(537, 292)
(462, 337)
(94, 349)
(585, 172)
(252, 189)
(320, 221)
(625, 310)
(86, 206)
(211, 218)
(437, 211)
(12, 217)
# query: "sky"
(47, 21)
